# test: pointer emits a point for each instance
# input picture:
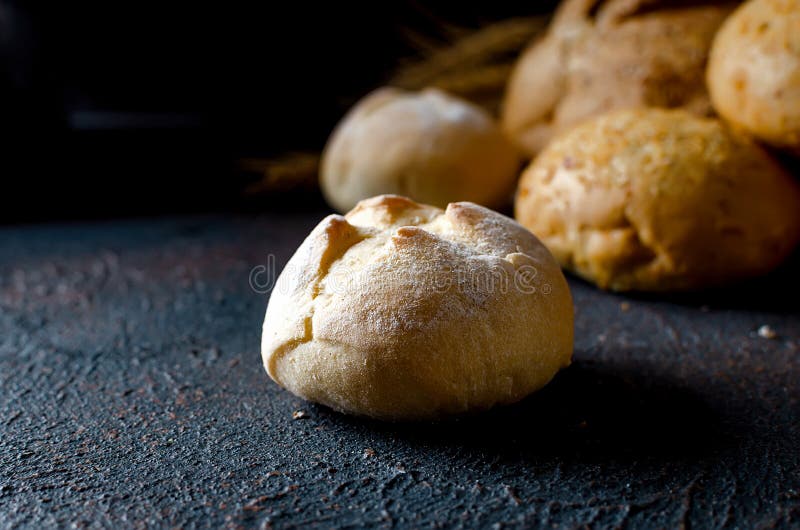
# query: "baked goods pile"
(670, 197)
(654, 131)
(662, 200)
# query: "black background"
(123, 108)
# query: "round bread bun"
(659, 200)
(599, 56)
(429, 146)
(402, 311)
(754, 71)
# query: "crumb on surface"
(299, 415)
(766, 332)
(624, 306)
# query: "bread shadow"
(586, 412)
(776, 292)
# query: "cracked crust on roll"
(399, 311)
(658, 200)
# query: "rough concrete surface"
(132, 395)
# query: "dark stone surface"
(132, 395)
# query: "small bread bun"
(657, 200)
(599, 56)
(402, 311)
(429, 146)
(754, 71)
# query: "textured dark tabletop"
(132, 395)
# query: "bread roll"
(402, 311)
(754, 71)
(658, 200)
(429, 146)
(599, 56)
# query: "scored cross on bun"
(403, 311)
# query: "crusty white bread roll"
(429, 146)
(657, 200)
(754, 71)
(402, 311)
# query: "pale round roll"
(754, 71)
(658, 200)
(429, 146)
(402, 311)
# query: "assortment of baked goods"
(429, 146)
(598, 56)
(754, 71)
(660, 200)
(404, 311)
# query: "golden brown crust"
(602, 56)
(658, 200)
(429, 146)
(754, 71)
(412, 319)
